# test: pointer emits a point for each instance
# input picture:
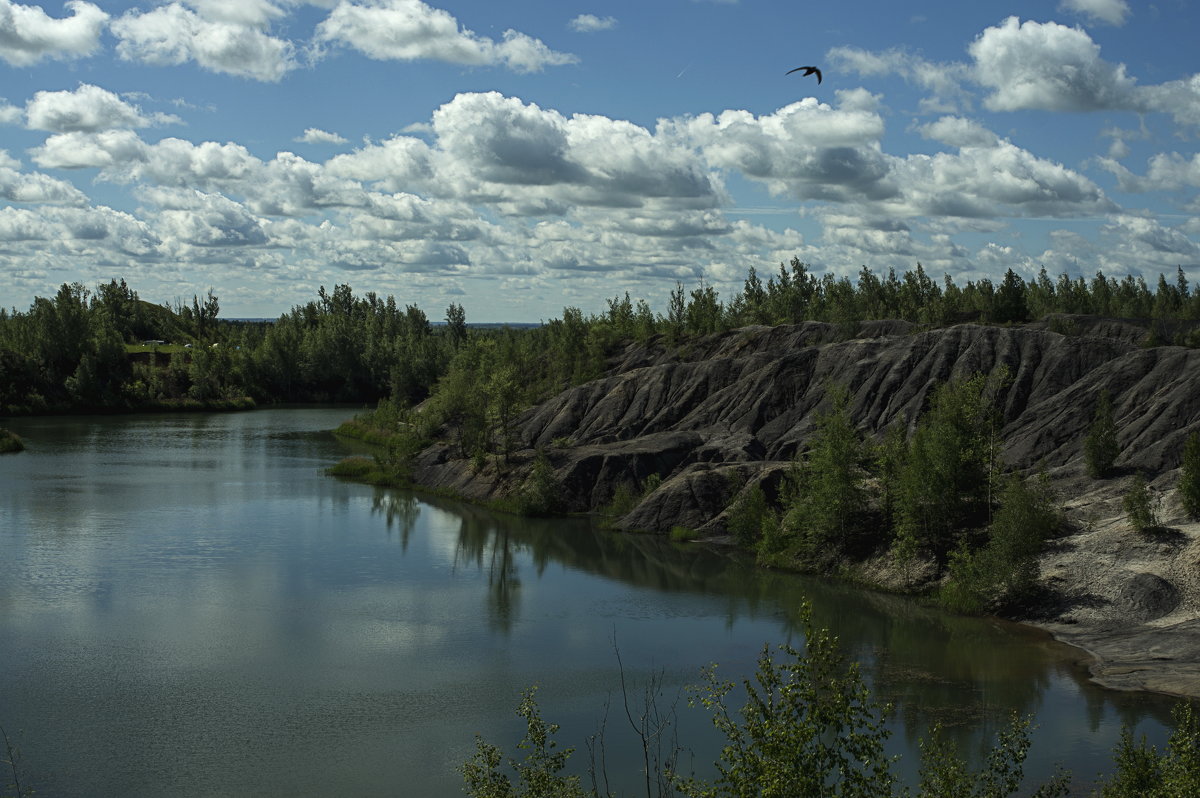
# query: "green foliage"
(343, 347)
(1142, 505)
(945, 775)
(1004, 570)
(541, 493)
(377, 425)
(1100, 448)
(626, 497)
(1010, 304)
(825, 500)
(682, 534)
(1144, 772)
(505, 396)
(943, 482)
(456, 324)
(356, 467)
(809, 728)
(1189, 476)
(10, 442)
(538, 774)
(746, 515)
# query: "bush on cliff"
(541, 492)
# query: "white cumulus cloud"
(34, 188)
(959, 132)
(87, 108)
(174, 34)
(28, 34)
(407, 30)
(590, 23)
(317, 136)
(1113, 12)
(1050, 67)
(10, 114)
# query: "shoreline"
(1128, 603)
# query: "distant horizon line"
(478, 324)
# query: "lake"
(189, 607)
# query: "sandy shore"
(1130, 600)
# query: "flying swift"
(808, 70)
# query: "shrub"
(1142, 505)
(10, 442)
(624, 499)
(824, 499)
(541, 493)
(809, 727)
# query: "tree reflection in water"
(399, 510)
(968, 675)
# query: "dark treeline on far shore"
(85, 350)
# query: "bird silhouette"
(808, 70)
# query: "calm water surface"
(189, 607)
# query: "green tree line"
(83, 350)
(72, 350)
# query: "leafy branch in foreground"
(810, 728)
(1145, 772)
(538, 774)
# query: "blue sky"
(519, 157)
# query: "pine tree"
(1189, 478)
(943, 485)
(1100, 450)
(827, 497)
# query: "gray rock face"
(734, 407)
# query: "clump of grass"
(364, 469)
(10, 442)
(196, 405)
(681, 534)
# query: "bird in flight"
(808, 70)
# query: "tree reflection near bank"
(966, 675)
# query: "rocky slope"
(733, 409)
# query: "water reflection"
(399, 510)
(199, 579)
(965, 675)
